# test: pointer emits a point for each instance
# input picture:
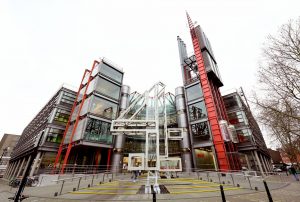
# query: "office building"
(47, 126)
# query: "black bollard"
(153, 194)
(268, 191)
(222, 194)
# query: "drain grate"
(163, 190)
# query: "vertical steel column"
(13, 166)
(108, 159)
(36, 160)
(258, 162)
(7, 170)
(209, 102)
(120, 139)
(185, 143)
(15, 171)
(27, 164)
(20, 168)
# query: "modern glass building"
(218, 133)
(49, 125)
(88, 136)
(253, 151)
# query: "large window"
(68, 98)
(62, 116)
(97, 130)
(197, 111)
(55, 135)
(108, 88)
(231, 102)
(237, 119)
(204, 158)
(244, 135)
(111, 72)
(104, 108)
(200, 131)
(194, 92)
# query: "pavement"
(188, 188)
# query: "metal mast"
(209, 102)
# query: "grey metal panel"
(182, 55)
(120, 139)
(182, 123)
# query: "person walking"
(294, 172)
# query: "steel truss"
(152, 106)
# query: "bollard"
(55, 194)
(78, 183)
(222, 194)
(62, 186)
(268, 191)
(219, 178)
(153, 194)
(249, 182)
(92, 180)
(232, 179)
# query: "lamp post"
(18, 196)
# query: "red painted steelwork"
(209, 102)
(68, 123)
(77, 118)
(108, 159)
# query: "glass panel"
(97, 130)
(197, 111)
(79, 130)
(194, 92)
(68, 98)
(134, 144)
(111, 73)
(103, 108)
(237, 119)
(200, 131)
(55, 135)
(204, 158)
(244, 135)
(61, 116)
(231, 102)
(107, 88)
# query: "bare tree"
(278, 97)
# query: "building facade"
(218, 133)
(252, 148)
(88, 140)
(49, 125)
(210, 144)
(7, 144)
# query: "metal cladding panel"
(211, 108)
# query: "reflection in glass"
(244, 135)
(200, 131)
(204, 158)
(55, 135)
(61, 116)
(237, 119)
(194, 92)
(197, 111)
(104, 108)
(107, 88)
(111, 72)
(97, 130)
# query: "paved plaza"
(184, 188)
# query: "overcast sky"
(46, 43)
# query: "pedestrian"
(134, 175)
(294, 172)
